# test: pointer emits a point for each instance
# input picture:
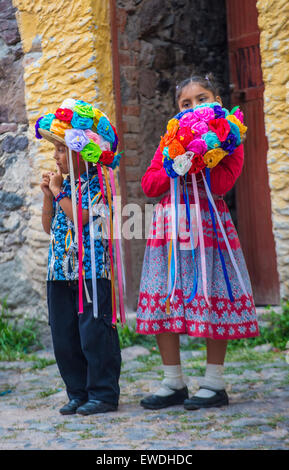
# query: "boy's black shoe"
(156, 402)
(219, 399)
(92, 407)
(71, 407)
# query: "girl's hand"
(55, 182)
(44, 185)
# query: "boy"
(86, 348)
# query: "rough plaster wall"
(274, 44)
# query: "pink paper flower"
(199, 128)
(204, 114)
(198, 146)
(239, 115)
(188, 119)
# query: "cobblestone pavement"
(31, 394)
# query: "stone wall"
(274, 26)
(64, 51)
(158, 47)
(15, 170)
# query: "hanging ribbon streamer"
(92, 249)
(120, 270)
(80, 246)
(73, 195)
(187, 204)
(109, 242)
(201, 237)
(212, 205)
(173, 259)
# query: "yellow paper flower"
(172, 124)
(97, 115)
(59, 127)
(235, 120)
(213, 157)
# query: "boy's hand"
(44, 185)
(55, 182)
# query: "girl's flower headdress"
(195, 141)
(200, 138)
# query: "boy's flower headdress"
(82, 128)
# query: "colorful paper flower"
(182, 163)
(184, 136)
(198, 146)
(116, 161)
(168, 166)
(230, 143)
(68, 103)
(104, 128)
(221, 127)
(199, 128)
(79, 122)
(76, 139)
(64, 114)
(46, 121)
(59, 127)
(107, 157)
(91, 152)
(242, 128)
(239, 115)
(198, 164)
(219, 111)
(213, 157)
(175, 148)
(173, 124)
(235, 130)
(211, 140)
(84, 110)
(188, 119)
(37, 135)
(115, 143)
(204, 113)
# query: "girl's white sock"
(173, 380)
(213, 380)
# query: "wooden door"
(253, 201)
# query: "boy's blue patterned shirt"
(63, 250)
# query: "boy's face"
(60, 157)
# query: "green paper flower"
(84, 110)
(91, 152)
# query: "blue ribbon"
(219, 248)
(187, 203)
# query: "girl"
(224, 319)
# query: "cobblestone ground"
(31, 394)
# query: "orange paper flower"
(175, 148)
(59, 127)
(241, 126)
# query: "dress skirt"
(222, 318)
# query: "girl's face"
(60, 157)
(194, 94)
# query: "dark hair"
(207, 81)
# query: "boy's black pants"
(86, 349)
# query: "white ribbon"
(225, 236)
